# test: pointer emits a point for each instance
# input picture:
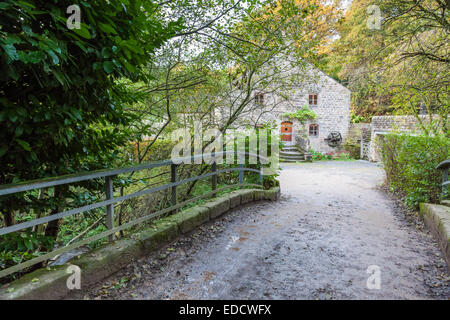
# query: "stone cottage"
(323, 95)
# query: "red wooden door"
(286, 131)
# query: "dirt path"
(331, 224)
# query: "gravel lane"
(333, 221)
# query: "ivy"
(304, 114)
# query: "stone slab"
(437, 218)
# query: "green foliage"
(399, 68)
(304, 114)
(157, 150)
(20, 247)
(61, 107)
(410, 163)
(74, 225)
(317, 156)
(354, 150)
(354, 118)
(340, 156)
(270, 182)
(63, 104)
(343, 156)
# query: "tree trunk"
(53, 226)
(8, 218)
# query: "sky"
(346, 3)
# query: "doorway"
(286, 132)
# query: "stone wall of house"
(332, 110)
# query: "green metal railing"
(110, 200)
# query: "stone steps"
(289, 148)
(291, 161)
(298, 157)
(291, 154)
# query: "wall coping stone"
(437, 219)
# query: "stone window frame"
(314, 97)
(260, 98)
(313, 129)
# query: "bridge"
(321, 240)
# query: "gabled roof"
(328, 76)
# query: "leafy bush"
(342, 156)
(317, 156)
(354, 118)
(354, 150)
(61, 106)
(19, 247)
(301, 115)
(149, 150)
(270, 181)
(410, 163)
(58, 86)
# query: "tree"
(61, 104)
(421, 28)
(416, 66)
(215, 66)
(352, 57)
(402, 66)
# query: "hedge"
(410, 164)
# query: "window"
(259, 98)
(313, 99)
(313, 129)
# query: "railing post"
(109, 207)
(444, 180)
(261, 174)
(241, 174)
(214, 178)
(173, 178)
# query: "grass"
(317, 156)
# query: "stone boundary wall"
(385, 124)
(437, 219)
(398, 123)
(50, 283)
